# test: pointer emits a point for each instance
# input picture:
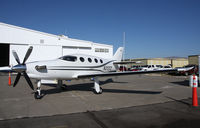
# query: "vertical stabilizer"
(118, 54)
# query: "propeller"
(21, 68)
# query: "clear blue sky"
(154, 28)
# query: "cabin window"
(69, 58)
(82, 59)
(96, 60)
(101, 60)
(90, 60)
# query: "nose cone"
(19, 68)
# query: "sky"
(153, 28)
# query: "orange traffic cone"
(194, 97)
(9, 80)
(194, 92)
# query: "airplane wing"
(6, 69)
(128, 62)
(126, 73)
(132, 72)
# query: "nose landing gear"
(37, 94)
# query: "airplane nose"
(19, 68)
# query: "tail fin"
(118, 54)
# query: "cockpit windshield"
(69, 58)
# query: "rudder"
(118, 54)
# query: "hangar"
(194, 59)
(45, 46)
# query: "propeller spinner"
(21, 68)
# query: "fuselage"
(69, 67)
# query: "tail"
(118, 54)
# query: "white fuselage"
(69, 67)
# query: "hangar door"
(4, 54)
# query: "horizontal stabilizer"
(184, 69)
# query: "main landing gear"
(61, 86)
(38, 95)
(97, 88)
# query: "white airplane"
(70, 67)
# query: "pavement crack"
(97, 120)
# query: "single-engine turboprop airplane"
(69, 67)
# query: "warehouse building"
(174, 62)
(193, 59)
(45, 46)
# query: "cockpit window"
(69, 58)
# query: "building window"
(105, 50)
(41, 41)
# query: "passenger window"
(82, 59)
(90, 60)
(96, 60)
(101, 60)
(69, 58)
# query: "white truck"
(151, 67)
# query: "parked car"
(194, 70)
(135, 68)
(151, 67)
(167, 67)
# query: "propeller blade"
(16, 56)
(27, 54)
(28, 80)
(17, 79)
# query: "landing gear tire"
(186, 74)
(64, 87)
(100, 92)
(37, 96)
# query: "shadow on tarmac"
(181, 83)
(180, 101)
(85, 87)
(89, 87)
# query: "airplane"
(68, 67)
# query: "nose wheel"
(37, 94)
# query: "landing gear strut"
(37, 94)
(97, 88)
(61, 85)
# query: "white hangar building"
(45, 46)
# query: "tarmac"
(127, 101)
